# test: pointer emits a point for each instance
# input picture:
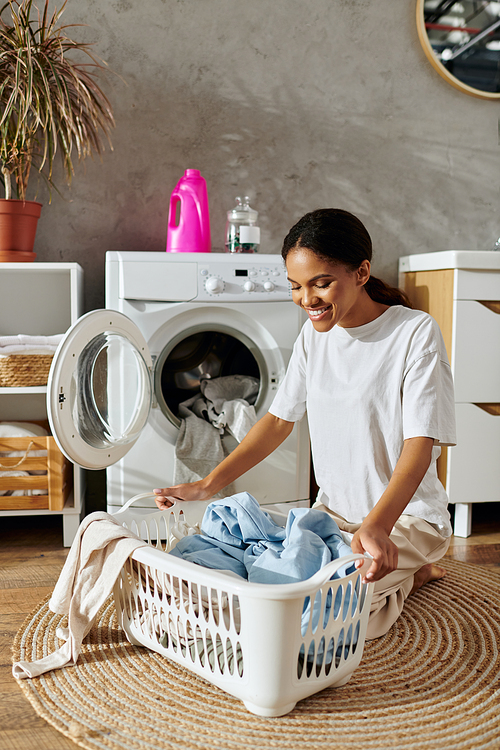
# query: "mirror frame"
(437, 65)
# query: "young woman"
(374, 378)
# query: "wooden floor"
(31, 557)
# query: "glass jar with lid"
(242, 234)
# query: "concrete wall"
(297, 103)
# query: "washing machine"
(119, 376)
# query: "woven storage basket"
(22, 370)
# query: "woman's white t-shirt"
(366, 390)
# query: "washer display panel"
(99, 390)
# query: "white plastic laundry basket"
(268, 645)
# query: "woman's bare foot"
(429, 572)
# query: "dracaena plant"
(49, 103)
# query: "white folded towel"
(24, 344)
(23, 339)
(19, 351)
(22, 429)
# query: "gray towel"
(224, 404)
(219, 390)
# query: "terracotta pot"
(18, 222)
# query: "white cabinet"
(461, 290)
(40, 299)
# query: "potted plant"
(49, 104)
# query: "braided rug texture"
(431, 683)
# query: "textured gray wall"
(300, 104)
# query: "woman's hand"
(167, 496)
(373, 534)
(373, 539)
(263, 438)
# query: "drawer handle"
(491, 305)
(493, 409)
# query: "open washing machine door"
(99, 391)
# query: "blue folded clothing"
(239, 536)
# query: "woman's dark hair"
(339, 237)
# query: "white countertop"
(484, 260)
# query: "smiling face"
(331, 293)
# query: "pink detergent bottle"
(192, 232)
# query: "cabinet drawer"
(473, 474)
(476, 353)
(477, 285)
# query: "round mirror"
(462, 42)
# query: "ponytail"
(381, 292)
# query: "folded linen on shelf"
(22, 429)
(24, 344)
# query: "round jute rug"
(431, 683)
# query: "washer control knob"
(214, 285)
(269, 286)
(249, 286)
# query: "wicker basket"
(22, 370)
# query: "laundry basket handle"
(326, 573)
(193, 509)
(136, 498)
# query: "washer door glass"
(99, 391)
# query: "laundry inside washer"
(202, 355)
